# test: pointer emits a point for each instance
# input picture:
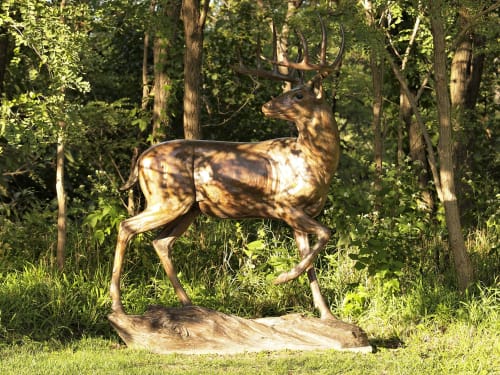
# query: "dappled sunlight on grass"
(416, 318)
(461, 349)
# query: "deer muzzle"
(270, 109)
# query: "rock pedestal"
(198, 330)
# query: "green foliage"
(233, 100)
(381, 230)
(44, 75)
(61, 307)
(46, 45)
(113, 59)
(104, 221)
(27, 239)
(355, 302)
(387, 265)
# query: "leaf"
(99, 236)
(256, 245)
(142, 123)
(106, 210)
(359, 266)
(69, 156)
(91, 219)
(344, 240)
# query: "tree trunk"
(61, 199)
(420, 121)
(163, 53)
(465, 78)
(145, 64)
(416, 146)
(461, 259)
(160, 120)
(282, 45)
(194, 23)
(145, 83)
(377, 81)
(60, 190)
(131, 207)
(402, 124)
(466, 67)
(377, 69)
(4, 56)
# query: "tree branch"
(410, 43)
(472, 23)
(204, 13)
(420, 121)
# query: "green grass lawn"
(424, 326)
(460, 349)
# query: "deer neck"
(319, 139)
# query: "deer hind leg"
(153, 217)
(319, 302)
(163, 245)
(299, 221)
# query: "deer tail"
(134, 171)
(132, 179)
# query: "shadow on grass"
(390, 343)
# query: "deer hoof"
(327, 315)
(283, 278)
(290, 275)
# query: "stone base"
(198, 330)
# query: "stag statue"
(285, 178)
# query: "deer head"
(306, 97)
(294, 104)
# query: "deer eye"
(299, 95)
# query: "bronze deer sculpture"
(286, 178)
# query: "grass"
(54, 323)
(461, 349)
(426, 330)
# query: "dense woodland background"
(86, 85)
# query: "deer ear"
(316, 87)
(318, 91)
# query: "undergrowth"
(231, 268)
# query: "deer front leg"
(299, 221)
(163, 245)
(319, 302)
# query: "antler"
(274, 74)
(305, 64)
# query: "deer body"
(285, 179)
(239, 180)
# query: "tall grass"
(43, 304)
(230, 267)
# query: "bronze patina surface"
(285, 179)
